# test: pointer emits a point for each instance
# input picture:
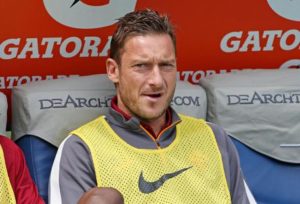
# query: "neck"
(157, 124)
(153, 126)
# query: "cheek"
(129, 86)
(133, 82)
(171, 82)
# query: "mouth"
(153, 96)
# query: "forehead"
(150, 44)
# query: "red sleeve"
(21, 181)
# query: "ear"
(112, 70)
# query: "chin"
(151, 115)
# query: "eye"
(141, 66)
(167, 66)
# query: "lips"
(153, 96)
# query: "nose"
(156, 78)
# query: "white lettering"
(10, 81)
(2, 83)
(12, 51)
(195, 76)
(106, 48)
(294, 44)
(254, 41)
(30, 46)
(23, 80)
(186, 75)
(69, 41)
(270, 35)
(230, 45)
(90, 46)
(50, 42)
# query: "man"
(16, 185)
(143, 148)
(102, 196)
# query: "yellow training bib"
(190, 170)
(7, 195)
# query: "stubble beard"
(136, 111)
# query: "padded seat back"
(3, 113)
(260, 109)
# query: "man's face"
(146, 76)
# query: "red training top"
(20, 179)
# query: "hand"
(102, 196)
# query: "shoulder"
(72, 160)
(4, 141)
(73, 147)
(227, 148)
(231, 164)
(73, 157)
(221, 136)
(8, 146)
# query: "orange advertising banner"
(60, 38)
